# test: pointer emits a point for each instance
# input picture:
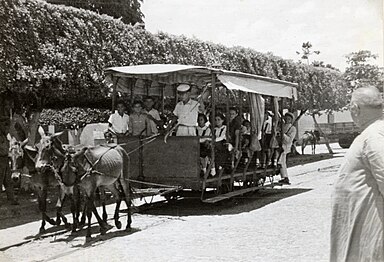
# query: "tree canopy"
(361, 70)
(128, 10)
(60, 53)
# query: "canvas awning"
(257, 86)
(200, 76)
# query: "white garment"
(357, 231)
(152, 125)
(187, 113)
(186, 131)
(220, 133)
(119, 123)
(267, 126)
(203, 131)
(289, 133)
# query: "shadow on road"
(192, 206)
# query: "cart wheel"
(260, 181)
(218, 190)
(170, 197)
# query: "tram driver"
(186, 112)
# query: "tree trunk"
(322, 134)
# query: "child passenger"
(221, 151)
(204, 131)
(138, 121)
(246, 139)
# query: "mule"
(39, 182)
(93, 167)
(310, 138)
(49, 160)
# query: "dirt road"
(281, 224)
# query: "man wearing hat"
(186, 112)
(289, 133)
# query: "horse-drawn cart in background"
(173, 162)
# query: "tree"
(128, 10)
(360, 70)
(306, 51)
(316, 63)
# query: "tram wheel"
(260, 181)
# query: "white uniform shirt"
(152, 125)
(187, 113)
(119, 123)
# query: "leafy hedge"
(73, 117)
(61, 52)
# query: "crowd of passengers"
(188, 118)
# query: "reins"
(91, 169)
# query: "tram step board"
(222, 197)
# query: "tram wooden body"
(174, 161)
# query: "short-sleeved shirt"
(187, 113)
(138, 124)
(120, 124)
(152, 125)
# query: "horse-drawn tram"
(227, 162)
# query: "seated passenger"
(153, 115)
(246, 139)
(221, 150)
(204, 131)
(119, 121)
(234, 128)
(138, 122)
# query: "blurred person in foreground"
(357, 201)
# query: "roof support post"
(114, 92)
(213, 113)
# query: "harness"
(91, 169)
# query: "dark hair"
(246, 121)
(203, 116)
(148, 98)
(234, 109)
(168, 107)
(121, 102)
(220, 115)
(137, 102)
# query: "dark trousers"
(5, 177)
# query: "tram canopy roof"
(200, 76)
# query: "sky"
(334, 27)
